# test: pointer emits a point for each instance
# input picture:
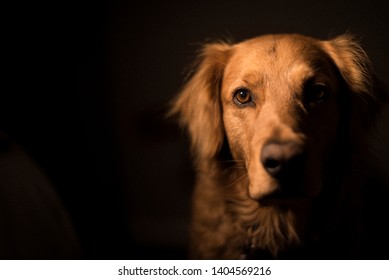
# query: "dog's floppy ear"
(356, 70)
(198, 104)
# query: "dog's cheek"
(234, 129)
(314, 173)
(322, 139)
(236, 148)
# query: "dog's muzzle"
(285, 162)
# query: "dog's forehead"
(274, 54)
(278, 47)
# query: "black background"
(88, 85)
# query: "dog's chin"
(281, 194)
(281, 200)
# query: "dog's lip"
(279, 198)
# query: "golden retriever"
(277, 125)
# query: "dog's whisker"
(232, 160)
(236, 162)
(237, 180)
(236, 167)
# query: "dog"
(278, 127)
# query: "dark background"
(89, 85)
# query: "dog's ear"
(198, 104)
(356, 70)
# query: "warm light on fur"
(316, 98)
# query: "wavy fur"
(231, 217)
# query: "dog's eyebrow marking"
(272, 49)
(253, 81)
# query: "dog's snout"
(281, 158)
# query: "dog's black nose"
(282, 159)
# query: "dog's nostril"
(272, 166)
(272, 163)
(271, 158)
(276, 158)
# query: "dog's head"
(283, 103)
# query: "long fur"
(229, 221)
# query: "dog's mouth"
(284, 194)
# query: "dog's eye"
(317, 93)
(242, 97)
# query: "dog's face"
(278, 99)
(274, 122)
(280, 104)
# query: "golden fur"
(319, 97)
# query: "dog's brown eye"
(243, 97)
(317, 93)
